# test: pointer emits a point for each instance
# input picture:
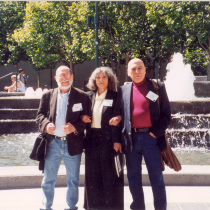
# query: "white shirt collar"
(102, 96)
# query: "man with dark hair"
(22, 76)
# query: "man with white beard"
(59, 118)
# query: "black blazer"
(107, 113)
(47, 114)
(160, 121)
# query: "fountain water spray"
(30, 93)
(179, 80)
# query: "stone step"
(187, 121)
(191, 107)
(18, 114)
(189, 137)
(19, 103)
(202, 88)
(6, 94)
(18, 126)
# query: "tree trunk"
(160, 72)
(208, 72)
(51, 78)
(17, 68)
(72, 67)
(127, 58)
(38, 79)
(120, 71)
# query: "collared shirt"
(60, 121)
(97, 110)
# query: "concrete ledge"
(6, 94)
(30, 177)
(202, 88)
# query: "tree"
(198, 31)
(47, 34)
(11, 17)
(123, 36)
(179, 27)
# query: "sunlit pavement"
(188, 189)
(186, 198)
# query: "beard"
(65, 87)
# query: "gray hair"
(112, 79)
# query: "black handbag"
(39, 148)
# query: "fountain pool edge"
(17, 177)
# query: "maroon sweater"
(140, 112)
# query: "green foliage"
(198, 60)
(57, 31)
(180, 27)
(49, 35)
(11, 17)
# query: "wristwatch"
(75, 132)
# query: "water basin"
(16, 148)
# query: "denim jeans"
(145, 145)
(56, 152)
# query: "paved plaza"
(179, 198)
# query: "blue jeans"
(145, 145)
(56, 152)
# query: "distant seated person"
(12, 88)
(22, 76)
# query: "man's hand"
(85, 118)
(50, 127)
(68, 128)
(115, 120)
(117, 147)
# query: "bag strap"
(156, 87)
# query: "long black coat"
(103, 189)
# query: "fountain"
(30, 93)
(189, 130)
(179, 80)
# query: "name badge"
(77, 107)
(107, 102)
(152, 96)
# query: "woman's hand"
(151, 134)
(115, 120)
(85, 118)
(117, 147)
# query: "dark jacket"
(47, 114)
(112, 132)
(159, 121)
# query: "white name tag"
(107, 102)
(152, 96)
(77, 107)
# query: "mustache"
(65, 87)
